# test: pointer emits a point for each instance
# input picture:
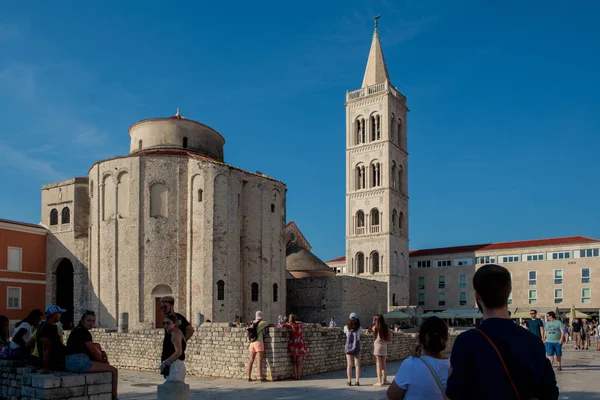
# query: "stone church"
(169, 218)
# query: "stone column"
(123, 322)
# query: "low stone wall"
(19, 382)
(217, 350)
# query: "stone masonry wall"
(217, 350)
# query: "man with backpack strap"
(255, 333)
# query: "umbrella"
(469, 315)
(428, 314)
(572, 314)
(396, 314)
(445, 315)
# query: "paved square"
(579, 379)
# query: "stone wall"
(217, 350)
(318, 299)
(20, 382)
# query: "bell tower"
(376, 179)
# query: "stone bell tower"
(376, 180)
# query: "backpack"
(252, 331)
(352, 343)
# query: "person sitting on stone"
(173, 352)
(19, 348)
(167, 304)
(50, 347)
(83, 355)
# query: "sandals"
(349, 383)
(357, 383)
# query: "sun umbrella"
(396, 314)
(445, 315)
(428, 314)
(469, 315)
(572, 314)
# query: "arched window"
(400, 132)
(272, 208)
(375, 127)
(220, 290)
(139, 145)
(199, 195)
(358, 128)
(401, 222)
(375, 261)
(275, 293)
(375, 174)
(360, 263)
(65, 216)
(394, 220)
(108, 197)
(363, 131)
(361, 178)
(159, 196)
(392, 128)
(360, 222)
(123, 195)
(54, 216)
(400, 180)
(185, 142)
(254, 291)
(393, 175)
(374, 220)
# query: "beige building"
(169, 218)
(546, 274)
(376, 181)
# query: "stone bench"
(20, 382)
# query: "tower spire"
(376, 71)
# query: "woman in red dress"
(296, 347)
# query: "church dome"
(301, 263)
(176, 132)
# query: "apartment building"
(22, 268)
(546, 274)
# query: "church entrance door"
(64, 291)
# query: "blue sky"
(503, 130)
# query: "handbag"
(437, 378)
(512, 382)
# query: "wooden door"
(159, 316)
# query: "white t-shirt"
(415, 378)
(358, 332)
(26, 336)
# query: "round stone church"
(169, 218)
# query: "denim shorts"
(553, 348)
(79, 363)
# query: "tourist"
(280, 323)
(597, 336)
(167, 304)
(18, 348)
(381, 336)
(566, 331)
(584, 334)
(589, 332)
(173, 351)
(296, 346)
(498, 360)
(50, 346)
(83, 355)
(424, 374)
(524, 324)
(255, 332)
(332, 323)
(352, 347)
(554, 337)
(576, 332)
(535, 325)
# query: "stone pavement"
(579, 379)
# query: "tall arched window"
(139, 145)
(199, 195)
(54, 216)
(275, 293)
(185, 142)
(394, 220)
(360, 222)
(375, 127)
(392, 128)
(375, 261)
(363, 131)
(375, 168)
(393, 174)
(65, 216)
(123, 195)
(108, 197)
(360, 263)
(374, 220)
(400, 180)
(400, 132)
(220, 290)
(401, 222)
(361, 178)
(159, 196)
(254, 291)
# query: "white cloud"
(20, 160)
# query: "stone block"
(59, 393)
(98, 378)
(45, 381)
(171, 390)
(104, 396)
(72, 380)
(99, 389)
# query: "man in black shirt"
(498, 359)
(167, 304)
(576, 330)
(50, 346)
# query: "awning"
(469, 315)
(396, 314)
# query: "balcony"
(374, 228)
(373, 89)
(360, 230)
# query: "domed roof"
(298, 259)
